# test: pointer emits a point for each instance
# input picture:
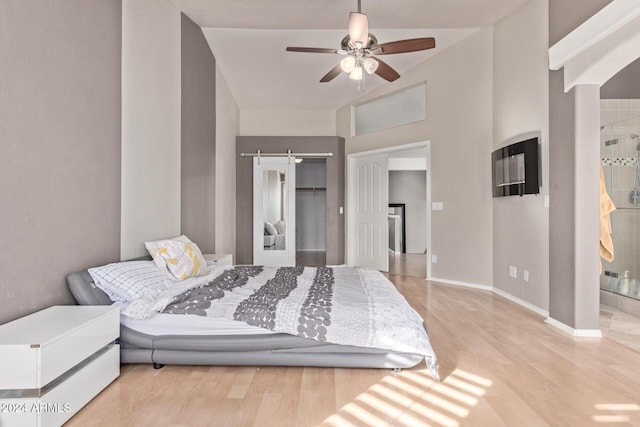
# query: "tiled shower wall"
(621, 119)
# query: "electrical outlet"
(434, 259)
(525, 275)
(513, 271)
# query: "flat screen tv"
(515, 169)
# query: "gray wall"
(624, 85)
(521, 224)
(564, 17)
(335, 188)
(60, 101)
(197, 190)
(410, 188)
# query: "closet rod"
(289, 153)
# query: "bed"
(269, 316)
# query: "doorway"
(410, 157)
(311, 212)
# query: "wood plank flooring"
(414, 265)
(500, 364)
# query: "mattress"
(209, 340)
(171, 324)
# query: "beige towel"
(606, 207)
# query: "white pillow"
(179, 256)
(280, 226)
(270, 228)
(126, 281)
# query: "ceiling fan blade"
(404, 46)
(386, 72)
(335, 72)
(358, 28)
(313, 50)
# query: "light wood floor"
(500, 366)
(414, 265)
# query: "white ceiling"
(248, 39)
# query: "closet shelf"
(311, 188)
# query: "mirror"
(274, 207)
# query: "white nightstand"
(219, 259)
(55, 361)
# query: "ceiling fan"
(361, 49)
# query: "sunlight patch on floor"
(607, 419)
(617, 407)
(415, 392)
(413, 398)
(614, 407)
(364, 415)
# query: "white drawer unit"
(219, 259)
(55, 361)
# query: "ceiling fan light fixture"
(361, 50)
(348, 63)
(356, 74)
(370, 65)
(358, 28)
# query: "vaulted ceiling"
(249, 38)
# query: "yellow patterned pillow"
(180, 257)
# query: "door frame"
(352, 193)
(403, 250)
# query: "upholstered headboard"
(85, 291)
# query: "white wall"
(287, 123)
(459, 126)
(410, 187)
(521, 105)
(150, 123)
(408, 164)
(227, 128)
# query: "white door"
(274, 217)
(370, 200)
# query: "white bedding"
(346, 306)
(172, 324)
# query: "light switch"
(341, 210)
(437, 206)
(513, 271)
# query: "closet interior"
(311, 212)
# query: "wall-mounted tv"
(515, 169)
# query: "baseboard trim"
(525, 304)
(496, 291)
(464, 284)
(582, 333)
